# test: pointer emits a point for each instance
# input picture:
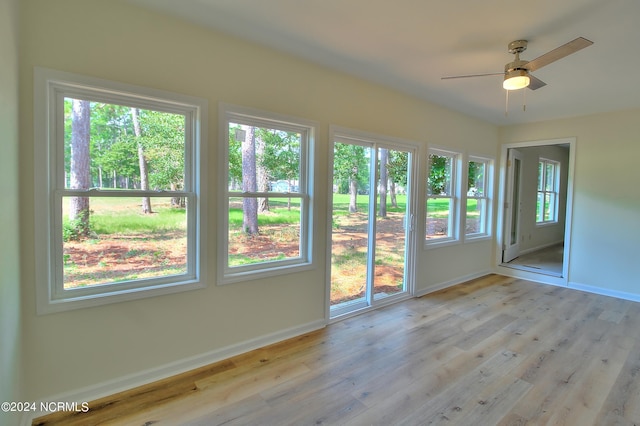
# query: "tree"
(163, 140)
(281, 156)
(249, 183)
(142, 161)
(80, 172)
(384, 156)
(397, 167)
(350, 165)
(236, 139)
(262, 175)
(439, 174)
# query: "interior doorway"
(536, 195)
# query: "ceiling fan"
(517, 74)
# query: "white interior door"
(513, 206)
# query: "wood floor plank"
(492, 351)
(623, 401)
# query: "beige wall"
(10, 325)
(71, 350)
(606, 208)
(533, 236)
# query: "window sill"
(87, 301)
(546, 224)
(433, 244)
(477, 238)
(236, 277)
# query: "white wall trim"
(537, 277)
(540, 247)
(101, 390)
(559, 282)
(501, 198)
(605, 291)
(451, 283)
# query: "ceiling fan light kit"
(516, 79)
(517, 74)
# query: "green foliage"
(163, 137)
(73, 230)
(350, 163)
(114, 148)
(439, 179)
(398, 167)
(235, 154)
(281, 156)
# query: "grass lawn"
(126, 244)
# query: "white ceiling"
(410, 44)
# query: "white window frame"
(555, 190)
(486, 215)
(254, 117)
(50, 88)
(454, 206)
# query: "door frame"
(411, 242)
(512, 250)
(502, 199)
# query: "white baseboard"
(540, 247)
(151, 375)
(451, 283)
(531, 275)
(605, 292)
(561, 282)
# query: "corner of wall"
(10, 313)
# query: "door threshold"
(535, 269)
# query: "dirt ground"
(117, 258)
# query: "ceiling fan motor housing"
(516, 66)
(516, 47)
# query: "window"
(442, 197)
(478, 210)
(118, 191)
(265, 226)
(548, 183)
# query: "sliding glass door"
(371, 223)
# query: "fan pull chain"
(506, 105)
(524, 99)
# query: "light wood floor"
(494, 351)
(548, 260)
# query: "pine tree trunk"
(249, 184)
(384, 156)
(142, 161)
(353, 199)
(392, 194)
(80, 176)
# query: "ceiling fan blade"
(558, 53)
(471, 75)
(535, 83)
